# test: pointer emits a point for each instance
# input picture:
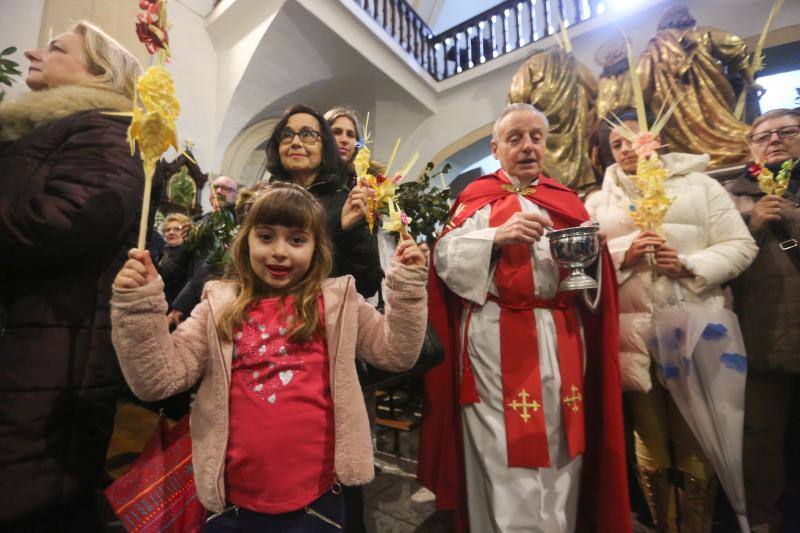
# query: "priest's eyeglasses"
(787, 132)
(307, 136)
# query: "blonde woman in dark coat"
(70, 194)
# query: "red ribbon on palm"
(151, 26)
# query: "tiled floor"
(395, 503)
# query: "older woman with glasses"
(302, 149)
(173, 265)
(767, 300)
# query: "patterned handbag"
(158, 493)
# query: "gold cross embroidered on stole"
(573, 401)
(524, 405)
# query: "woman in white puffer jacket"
(702, 244)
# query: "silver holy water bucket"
(575, 249)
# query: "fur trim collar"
(24, 114)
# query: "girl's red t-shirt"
(280, 454)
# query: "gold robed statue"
(564, 90)
(688, 62)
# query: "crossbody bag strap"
(786, 243)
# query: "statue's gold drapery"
(564, 90)
(688, 63)
(614, 89)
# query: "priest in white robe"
(513, 386)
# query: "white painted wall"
(19, 26)
(194, 69)
(201, 8)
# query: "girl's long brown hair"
(283, 204)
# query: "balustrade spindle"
(423, 41)
(506, 44)
(457, 49)
(518, 19)
(481, 48)
(406, 27)
(441, 57)
(435, 62)
(471, 62)
(492, 42)
(431, 67)
(501, 24)
(532, 8)
(409, 31)
(407, 22)
(400, 28)
(513, 24)
(393, 12)
(399, 14)
(412, 33)
(435, 54)
(546, 10)
(418, 41)
(401, 34)
(562, 12)
(416, 38)
(427, 43)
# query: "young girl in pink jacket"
(279, 418)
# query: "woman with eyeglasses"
(303, 150)
(767, 301)
(173, 265)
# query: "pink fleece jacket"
(157, 364)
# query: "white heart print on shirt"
(259, 346)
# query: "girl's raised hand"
(137, 271)
(409, 253)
